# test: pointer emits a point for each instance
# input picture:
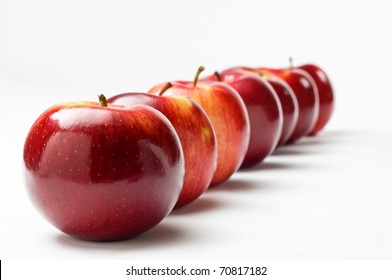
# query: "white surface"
(327, 197)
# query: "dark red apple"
(289, 106)
(287, 100)
(228, 115)
(196, 134)
(264, 110)
(305, 90)
(326, 96)
(103, 172)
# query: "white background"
(327, 197)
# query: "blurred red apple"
(326, 96)
(289, 106)
(196, 134)
(228, 115)
(103, 172)
(287, 100)
(264, 110)
(305, 90)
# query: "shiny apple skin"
(228, 116)
(305, 90)
(326, 95)
(103, 173)
(287, 99)
(289, 107)
(196, 134)
(264, 111)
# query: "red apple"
(326, 96)
(287, 100)
(264, 110)
(228, 115)
(305, 90)
(196, 134)
(103, 172)
(289, 106)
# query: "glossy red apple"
(228, 115)
(196, 134)
(326, 96)
(289, 106)
(305, 90)
(287, 100)
(264, 110)
(103, 173)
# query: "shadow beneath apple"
(233, 185)
(290, 150)
(323, 138)
(162, 234)
(326, 137)
(267, 166)
(202, 204)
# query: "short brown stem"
(199, 70)
(218, 76)
(165, 88)
(102, 100)
(290, 62)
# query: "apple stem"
(199, 70)
(165, 88)
(102, 100)
(291, 62)
(218, 76)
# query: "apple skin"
(196, 134)
(286, 97)
(305, 89)
(229, 118)
(103, 173)
(289, 106)
(264, 111)
(326, 95)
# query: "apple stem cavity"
(102, 100)
(218, 76)
(199, 70)
(165, 88)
